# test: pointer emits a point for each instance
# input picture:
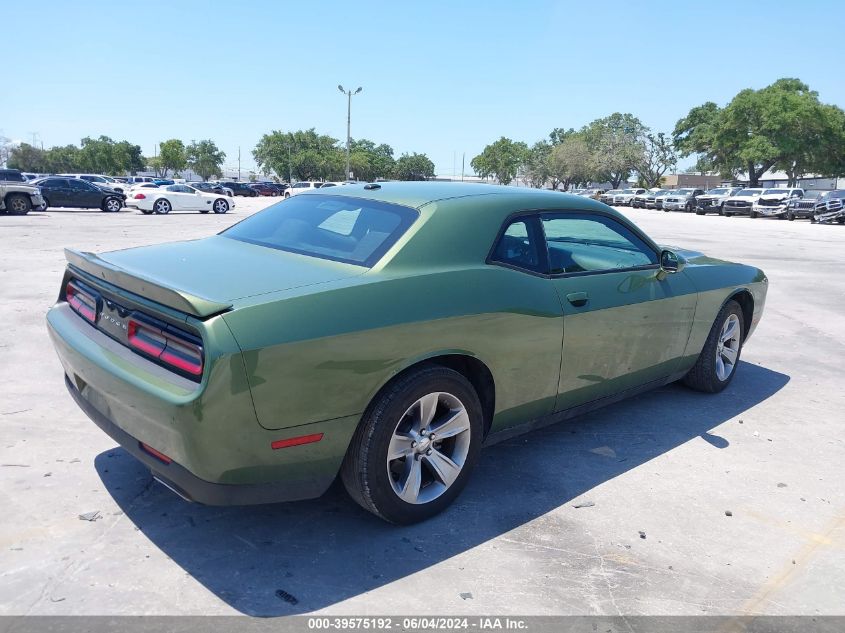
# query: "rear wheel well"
(746, 302)
(476, 372)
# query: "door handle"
(578, 299)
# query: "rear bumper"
(219, 453)
(179, 479)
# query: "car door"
(195, 199)
(56, 191)
(176, 196)
(83, 194)
(625, 322)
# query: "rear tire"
(716, 365)
(753, 215)
(392, 464)
(18, 204)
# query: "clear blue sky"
(441, 78)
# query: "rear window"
(342, 229)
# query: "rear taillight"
(174, 348)
(140, 196)
(82, 302)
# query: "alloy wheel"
(428, 448)
(727, 347)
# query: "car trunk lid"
(205, 277)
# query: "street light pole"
(348, 94)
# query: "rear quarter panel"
(324, 355)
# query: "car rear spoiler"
(177, 299)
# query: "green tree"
(656, 157)
(501, 160)
(302, 155)
(413, 167)
(27, 158)
(783, 125)
(569, 162)
(614, 145)
(63, 159)
(205, 159)
(559, 135)
(537, 167)
(369, 161)
(127, 158)
(97, 156)
(171, 157)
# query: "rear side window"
(342, 229)
(519, 246)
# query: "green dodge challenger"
(385, 332)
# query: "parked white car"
(774, 202)
(302, 186)
(165, 199)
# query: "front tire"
(18, 204)
(162, 206)
(716, 365)
(415, 446)
(220, 206)
(112, 205)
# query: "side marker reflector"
(157, 454)
(296, 441)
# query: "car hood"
(223, 270)
(774, 196)
(747, 198)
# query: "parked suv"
(240, 188)
(17, 195)
(773, 202)
(682, 200)
(804, 207)
(713, 200)
(301, 186)
(73, 192)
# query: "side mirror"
(670, 262)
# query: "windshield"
(342, 229)
(768, 192)
(815, 193)
(628, 191)
(717, 192)
(750, 192)
(686, 191)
